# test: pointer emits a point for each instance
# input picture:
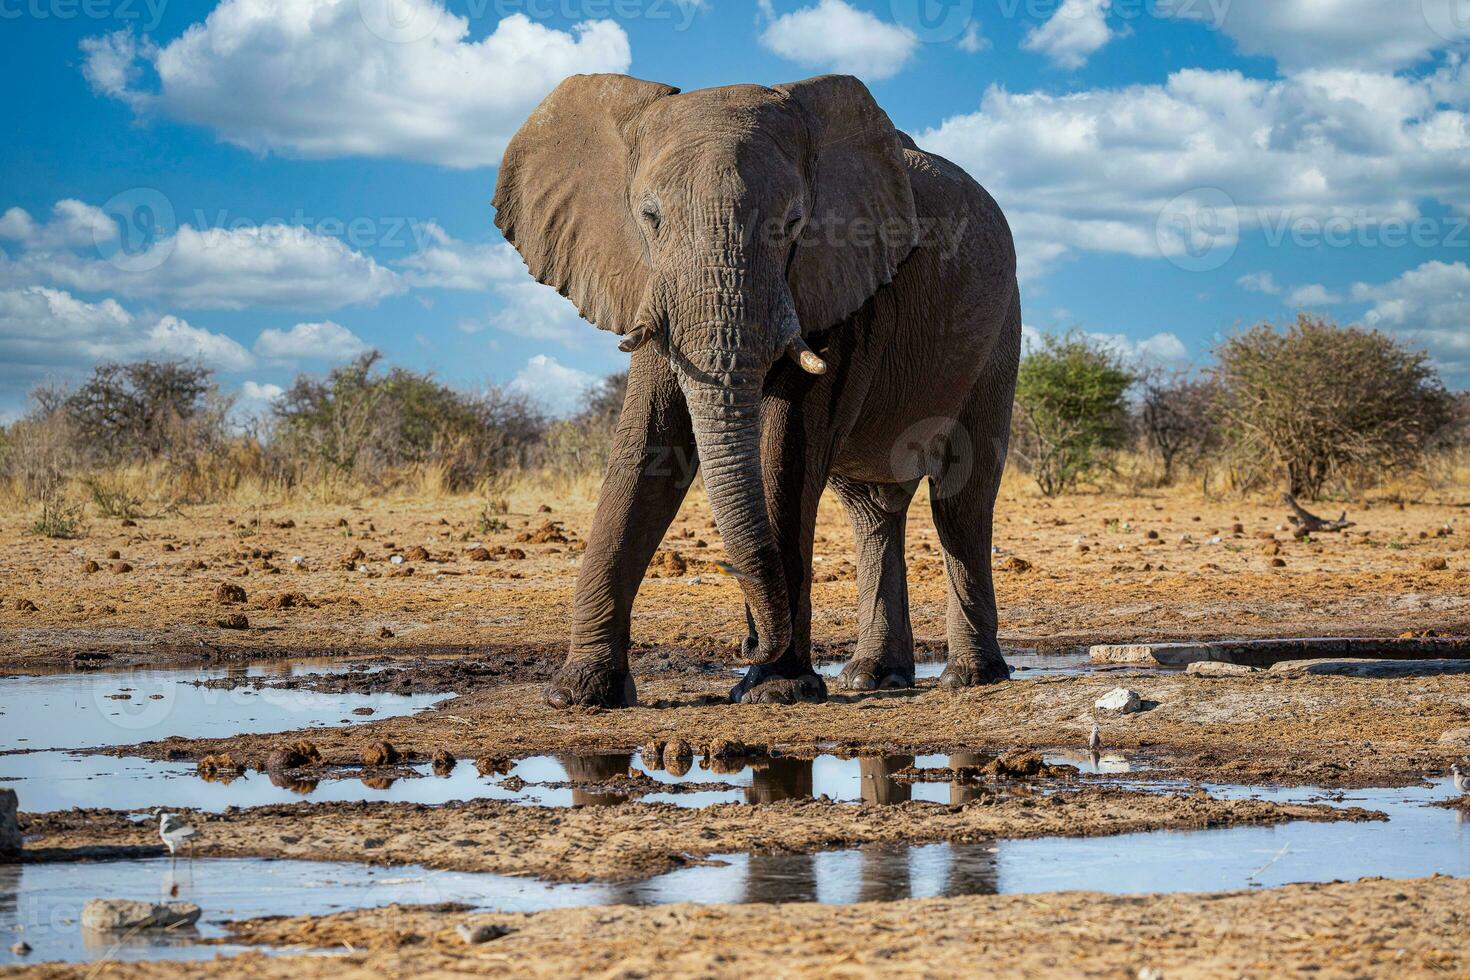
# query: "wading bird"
(173, 830)
(1462, 781)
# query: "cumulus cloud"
(833, 36)
(448, 263)
(330, 78)
(526, 308)
(273, 265)
(1311, 296)
(1430, 306)
(45, 331)
(554, 386)
(1099, 169)
(1161, 349)
(1073, 33)
(324, 341)
(1363, 34)
(1259, 282)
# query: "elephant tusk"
(799, 352)
(635, 338)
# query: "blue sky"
(275, 185)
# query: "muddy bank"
(637, 841)
(1262, 728)
(1371, 927)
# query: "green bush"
(1322, 403)
(1070, 410)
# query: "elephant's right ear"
(561, 196)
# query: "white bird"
(1094, 741)
(1462, 781)
(173, 830)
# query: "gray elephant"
(810, 300)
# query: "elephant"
(810, 301)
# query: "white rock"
(475, 935)
(1212, 668)
(396, 559)
(1120, 700)
(116, 914)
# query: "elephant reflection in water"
(595, 769)
(780, 877)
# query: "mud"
(1260, 728)
(623, 842)
(1367, 928)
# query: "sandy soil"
(1368, 928)
(634, 841)
(160, 599)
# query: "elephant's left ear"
(862, 223)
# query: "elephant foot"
(578, 685)
(974, 671)
(779, 683)
(876, 672)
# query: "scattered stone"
(23, 605)
(234, 621)
(725, 748)
(212, 765)
(1013, 563)
(1436, 564)
(543, 509)
(1456, 736)
(20, 948)
(515, 554)
(229, 594)
(1209, 668)
(379, 754)
(417, 553)
(475, 935)
(1278, 562)
(493, 765)
(385, 634)
(667, 564)
(114, 555)
(91, 567)
(478, 554)
(362, 710)
(1120, 701)
(121, 914)
(299, 753)
(9, 829)
(443, 762)
(678, 757)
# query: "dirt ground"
(307, 588)
(1367, 928)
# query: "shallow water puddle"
(103, 708)
(46, 781)
(43, 903)
(1022, 665)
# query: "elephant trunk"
(727, 431)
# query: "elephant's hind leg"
(963, 499)
(885, 650)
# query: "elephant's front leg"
(796, 448)
(652, 463)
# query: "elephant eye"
(650, 214)
(793, 222)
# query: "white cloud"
(1430, 306)
(329, 78)
(447, 263)
(1074, 32)
(273, 265)
(833, 36)
(44, 331)
(1097, 169)
(1311, 296)
(557, 388)
(972, 41)
(1161, 349)
(1259, 282)
(1362, 34)
(255, 398)
(325, 341)
(529, 309)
